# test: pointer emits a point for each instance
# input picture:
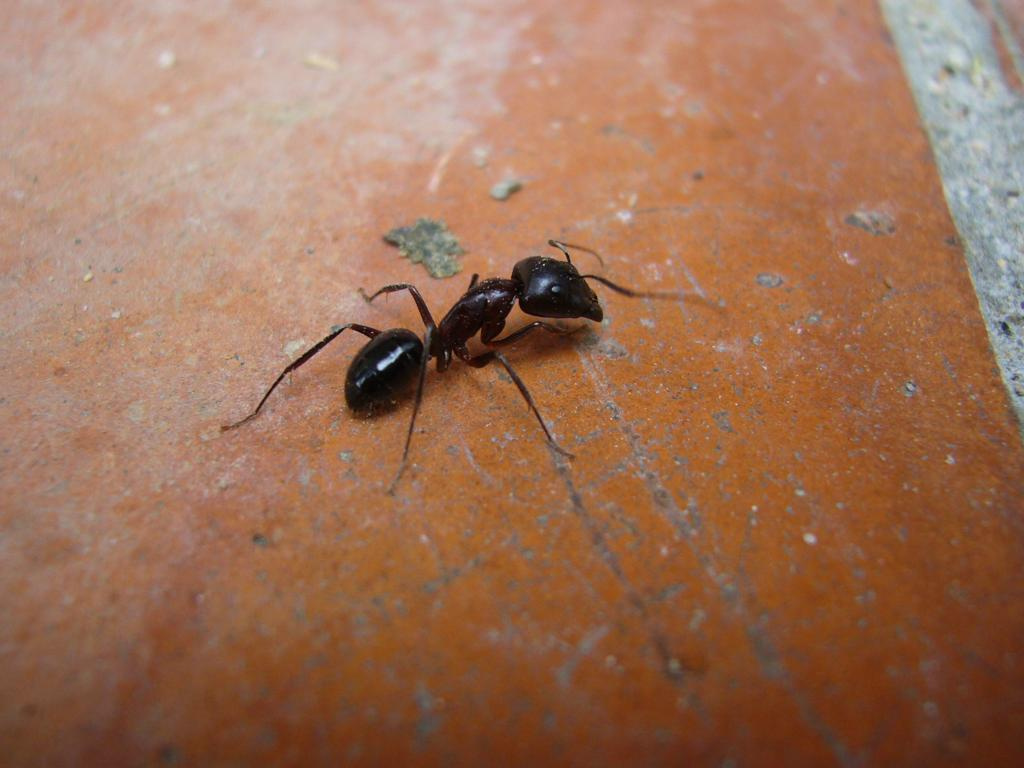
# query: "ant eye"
(556, 289)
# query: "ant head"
(554, 288)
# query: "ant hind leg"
(304, 358)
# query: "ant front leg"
(481, 360)
(526, 329)
(363, 329)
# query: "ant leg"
(363, 329)
(415, 407)
(512, 337)
(481, 360)
(428, 320)
(562, 246)
(636, 294)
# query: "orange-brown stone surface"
(792, 528)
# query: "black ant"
(383, 370)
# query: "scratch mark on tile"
(448, 575)
(468, 453)
(770, 660)
(437, 176)
(689, 526)
(773, 668)
(780, 95)
(691, 278)
(671, 666)
(584, 648)
(429, 719)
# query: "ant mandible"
(383, 370)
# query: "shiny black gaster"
(383, 371)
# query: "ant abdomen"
(383, 372)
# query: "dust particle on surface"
(429, 242)
(317, 60)
(504, 189)
(603, 346)
(875, 222)
(168, 754)
(291, 349)
(136, 411)
(480, 156)
(721, 418)
(769, 280)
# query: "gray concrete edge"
(975, 121)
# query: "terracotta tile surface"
(792, 529)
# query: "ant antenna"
(562, 246)
(676, 295)
(671, 295)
